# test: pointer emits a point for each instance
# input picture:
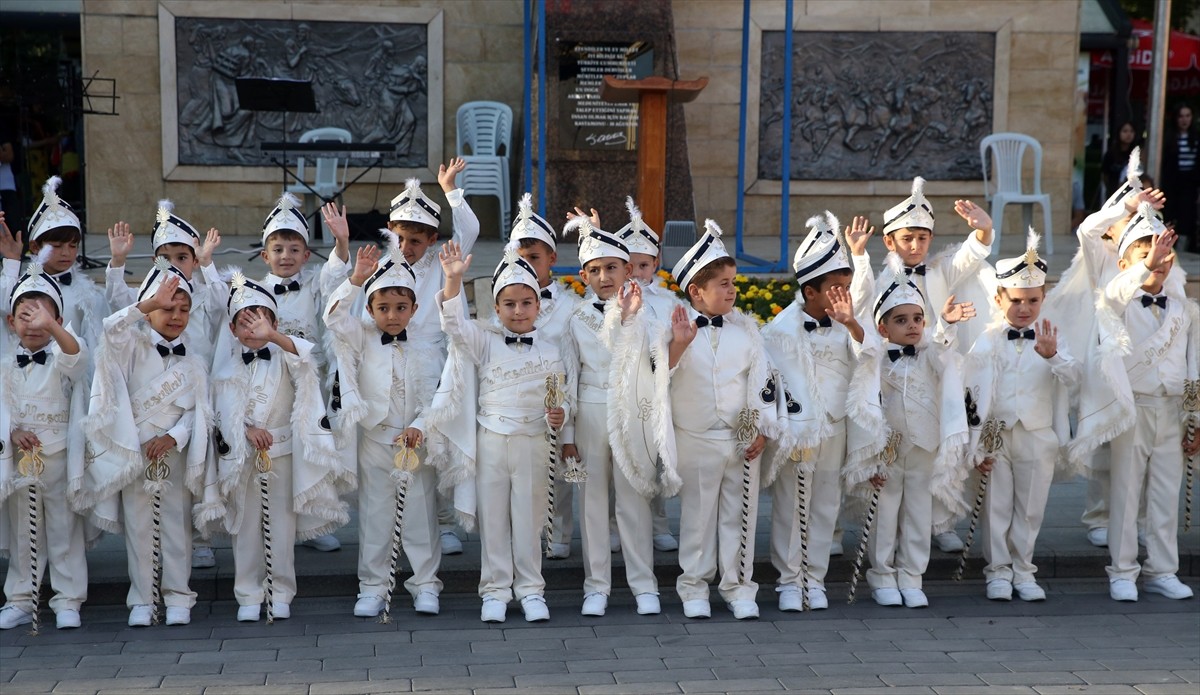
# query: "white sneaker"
(427, 603)
(648, 604)
(999, 590)
(325, 544)
(1122, 590)
(281, 611)
(493, 610)
(836, 549)
(368, 606)
(665, 542)
(248, 614)
(68, 619)
(140, 615)
(179, 615)
(559, 551)
(1030, 591)
(203, 558)
(1141, 538)
(12, 616)
(594, 604)
(535, 609)
(1168, 585)
(790, 599)
(887, 596)
(614, 542)
(1098, 536)
(817, 601)
(451, 545)
(914, 598)
(697, 608)
(744, 609)
(948, 542)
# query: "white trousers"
(564, 516)
(658, 514)
(822, 502)
(1015, 505)
(61, 544)
(713, 509)
(1147, 463)
(511, 487)
(1095, 506)
(376, 517)
(632, 511)
(137, 511)
(899, 543)
(249, 552)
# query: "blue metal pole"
(741, 160)
(527, 126)
(785, 193)
(541, 48)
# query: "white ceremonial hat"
(36, 279)
(1024, 271)
(159, 272)
(244, 293)
(414, 206)
(394, 271)
(914, 211)
(172, 229)
(821, 251)
(1133, 179)
(513, 270)
(1145, 223)
(637, 237)
(901, 290)
(530, 225)
(286, 216)
(596, 243)
(706, 250)
(53, 212)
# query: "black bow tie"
(1027, 334)
(906, 351)
(918, 269)
(1150, 300)
(811, 326)
(24, 360)
(510, 339)
(284, 288)
(164, 349)
(64, 279)
(547, 294)
(599, 306)
(262, 354)
(388, 337)
(715, 322)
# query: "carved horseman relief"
(878, 105)
(369, 78)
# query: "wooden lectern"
(651, 95)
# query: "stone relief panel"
(878, 105)
(368, 78)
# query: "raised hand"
(258, 325)
(953, 312)
(120, 243)
(211, 241)
(841, 307)
(365, 264)
(447, 173)
(163, 297)
(975, 216)
(10, 244)
(857, 234)
(1160, 250)
(593, 218)
(683, 329)
(335, 219)
(629, 298)
(36, 316)
(1046, 343)
(453, 263)
(1154, 196)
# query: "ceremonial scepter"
(554, 399)
(1191, 404)
(990, 438)
(262, 462)
(888, 456)
(157, 472)
(31, 467)
(405, 464)
(799, 456)
(747, 432)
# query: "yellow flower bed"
(762, 298)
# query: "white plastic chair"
(678, 236)
(330, 174)
(484, 128)
(488, 176)
(1008, 152)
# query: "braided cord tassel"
(802, 512)
(554, 399)
(406, 462)
(992, 443)
(887, 457)
(747, 432)
(30, 467)
(263, 463)
(1191, 404)
(157, 471)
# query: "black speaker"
(365, 226)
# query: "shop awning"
(1184, 50)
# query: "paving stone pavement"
(1078, 641)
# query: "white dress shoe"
(648, 604)
(948, 542)
(325, 544)
(790, 599)
(914, 598)
(12, 616)
(1029, 591)
(594, 604)
(887, 596)
(1168, 585)
(836, 549)
(999, 590)
(535, 609)
(665, 542)
(559, 551)
(203, 558)
(427, 603)
(248, 614)
(179, 615)
(1122, 590)
(68, 619)
(493, 610)
(140, 615)
(817, 601)
(1098, 537)
(614, 542)
(281, 610)
(450, 542)
(744, 609)
(697, 608)
(368, 606)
